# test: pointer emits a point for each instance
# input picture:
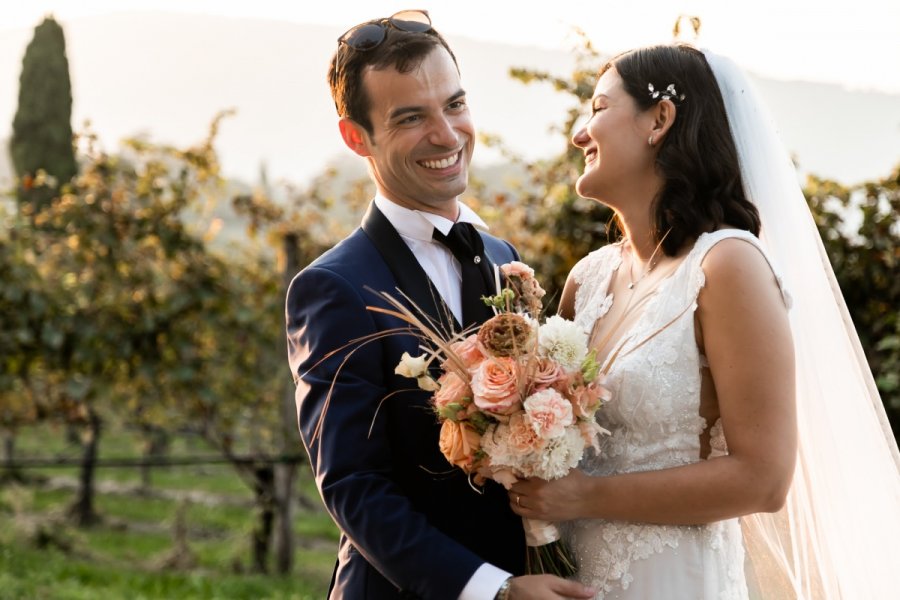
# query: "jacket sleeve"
(337, 398)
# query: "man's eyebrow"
(403, 110)
(456, 96)
(399, 112)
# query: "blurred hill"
(166, 75)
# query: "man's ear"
(355, 136)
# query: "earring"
(650, 140)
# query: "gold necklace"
(650, 264)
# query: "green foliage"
(550, 225)
(120, 298)
(860, 227)
(133, 314)
(42, 130)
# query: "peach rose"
(546, 373)
(549, 413)
(468, 350)
(453, 390)
(459, 443)
(495, 386)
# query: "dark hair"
(401, 50)
(703, 189)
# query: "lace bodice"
(654, 421)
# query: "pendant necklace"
(650, 264)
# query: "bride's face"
(614, 142)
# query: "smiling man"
(412, 526)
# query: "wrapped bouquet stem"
(546, 553)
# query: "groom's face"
(422, 134)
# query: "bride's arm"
(567, 299)
(746, 336)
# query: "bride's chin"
(583, 187)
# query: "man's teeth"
(441, 164)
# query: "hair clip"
(668, 94)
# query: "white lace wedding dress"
(655, 423)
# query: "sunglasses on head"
(370, 35)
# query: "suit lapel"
(490, 264)
(408, 273)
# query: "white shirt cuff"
(484, 583)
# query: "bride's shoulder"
(726, 249)
(735, 262)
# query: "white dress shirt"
(417, 228)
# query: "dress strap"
(707, 241)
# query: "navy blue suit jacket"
(412, 526)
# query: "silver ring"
(518, 497)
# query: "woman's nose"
(580, 138)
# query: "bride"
(749, 455)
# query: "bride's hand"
(557, 500)
(543, 587)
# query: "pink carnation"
(522, 436)
(549, 413)
(495, 386)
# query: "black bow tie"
(467, 246)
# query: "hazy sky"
(855, 43)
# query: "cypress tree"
(42, 128)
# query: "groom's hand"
(541, 587)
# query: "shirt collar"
(420, 225)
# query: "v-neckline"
(627, 335)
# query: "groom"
(412, 526)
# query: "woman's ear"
(663, 118)
(355, 136)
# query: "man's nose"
(443, 133)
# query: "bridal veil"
(838, 535)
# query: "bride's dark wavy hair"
(703, 189)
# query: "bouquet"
(516, 398)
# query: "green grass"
(118, 557)
(134, 508)
(53, 575)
